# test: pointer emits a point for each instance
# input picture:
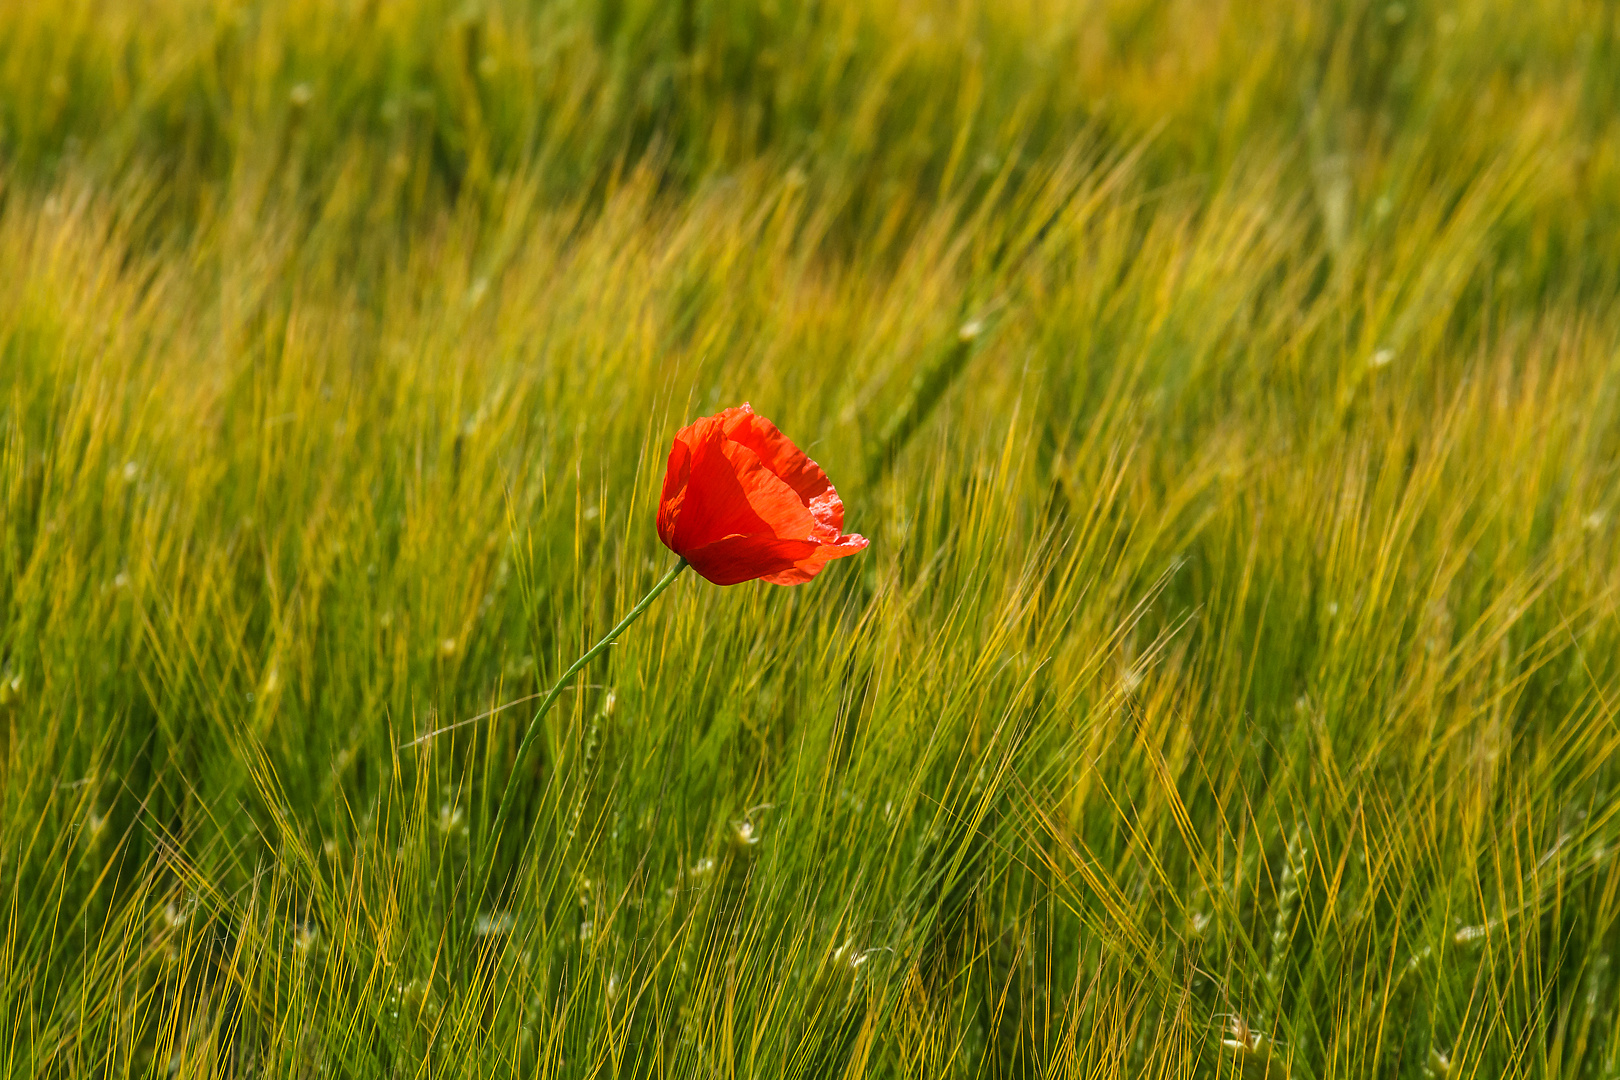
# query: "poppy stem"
(510, 793)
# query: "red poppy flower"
(742, 502)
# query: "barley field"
(1230, 393)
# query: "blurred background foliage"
(883, 110)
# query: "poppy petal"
(828, 510)
(779, 455)
(741, 502)
(806, 568)
(676, 475)
(735, 559)
(729, 492)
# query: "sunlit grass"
(1229, 393)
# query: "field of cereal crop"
(1230, 393)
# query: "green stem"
(499, 823)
